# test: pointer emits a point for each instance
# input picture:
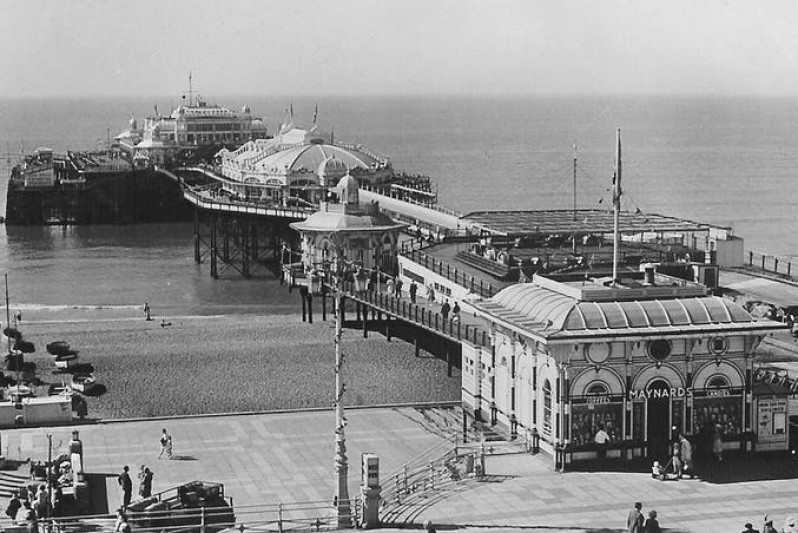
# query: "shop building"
(647, 357)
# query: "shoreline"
(212, 365)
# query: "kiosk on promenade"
(646, 357)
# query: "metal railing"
(778, 265)
(451, 273)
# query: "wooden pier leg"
(417, 344)
(214, 250)
(304, 299)
(323, 305)
(197, 257)
(365, 322)
(310, 307)
(245, 248)
(388, 327)
(226, 243)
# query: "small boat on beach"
(59, 348)
(83, 382)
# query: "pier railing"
(774, 264)
(451, 273)
(418, 314)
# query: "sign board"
(371, 470)
(771, 423)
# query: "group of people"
(394, 286)
(145, 475)
(636, 522)
(28, 506)
(789, 526)
(680, 464)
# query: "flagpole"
(8, 314)
(616, 204)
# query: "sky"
(398, 47)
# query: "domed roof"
(332, 166)
(309, 157)
(537, 308)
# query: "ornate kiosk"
(646, 357)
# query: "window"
(718, 345)
(717, 382)
(598, 388)
(547, 407)
(659, 349)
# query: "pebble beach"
(232, 363)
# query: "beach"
(232, 363)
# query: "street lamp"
(344, 510)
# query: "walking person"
(456, 312)
(445, 307)
(717, 443)
(768, 527)
(652, 525)
(749, 528)
(398, 287)
(634, 521)
(127, 486)
(686, 455)
(166, 445)
(145, 483)
(26, 517)
(413, 290)
(431, 294)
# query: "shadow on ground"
(733, 469)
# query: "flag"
(291, 107)
(315, 113)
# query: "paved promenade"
(268, 458)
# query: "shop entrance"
(658, 427)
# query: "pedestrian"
(717, 443)
(413, 290)
(634, 521)
(398, 286)
(26, 517)
(390, 287)
(127, 486)
(429, 527)
(445, 307)
(652, 525)
(431, 294)
(13, 507)
(686, 455)
(145, 483)
(768, 527)
(456, 312)
(122, 525)
(147, 316)
(166, 445)
(676, 462)
(601, 439)
(42, 505)
(749, 528)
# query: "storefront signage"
(673, 392)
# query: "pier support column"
(448, 359)
(303, 297)
(245, 248)
(365, 322)
(197, 256)
(388, 327)
(310, 307)
(416, 343)
(214, 249)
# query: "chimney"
(648, 276)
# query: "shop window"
(547, 407)
(725, 412)
(596, 411)
(659, 349)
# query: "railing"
(245, 207)
(419, 315)
(779, 265)
(451, 273)
(279, 517)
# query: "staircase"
(11, 482)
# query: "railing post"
(776, 265)
(751, 258)
(398, 491)
(431, 476)
(404, 481)
(202, 519)
(763, 261)
(279, 517)
(789, 267)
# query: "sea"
(730, 161)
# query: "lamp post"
(344, 511)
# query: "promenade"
(286, 457)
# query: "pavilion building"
(647, 356)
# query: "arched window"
(598, 388)
(717, 382)
(547, 407)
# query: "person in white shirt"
(601, 439)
